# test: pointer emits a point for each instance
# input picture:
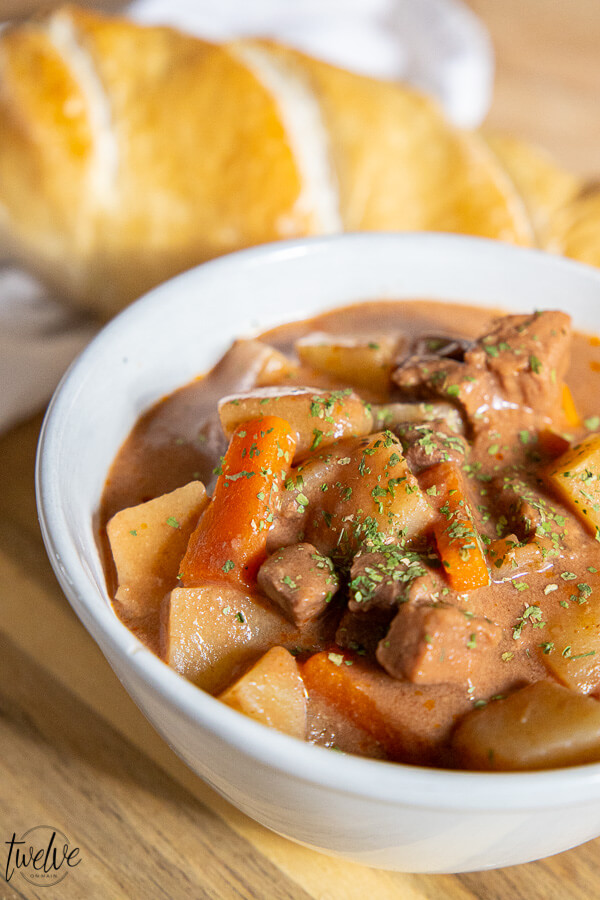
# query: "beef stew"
(401, 541)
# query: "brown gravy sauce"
(164, 449)
(174, 443)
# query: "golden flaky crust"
(546, 188)
(576, 228)
(46, 145)
(401, 166)
(128, 154)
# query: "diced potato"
(148, 542)
(575, 476)
(574, 633)
(319, 417)
(386, 491)
(349, 490)
(391, 415)
(363, 361)
(541, 726)
(301, 376)
(245, 364)
(412, 722)
(272, 692)
(277, 367)
(213, 632)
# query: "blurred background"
(547, 80)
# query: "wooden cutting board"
(75, 752)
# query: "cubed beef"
(388, 576)
(433, 644)
(522, 508)
(299, 580)
(428, 443)
(528, 356)
(520, 363)
(397, 415)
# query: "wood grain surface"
(548, 75)
(76, 753)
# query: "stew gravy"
(177, 441)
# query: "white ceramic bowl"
(381, 814)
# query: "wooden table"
(76, 753)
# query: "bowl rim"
(388, 782)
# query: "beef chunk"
(523, 508)
(432, 644)
(397, 415)
(429, 443)
(388, 576)
(362, 633)
(520, 363)
(529, 356)
(299, 580)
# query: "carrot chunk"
(411, 722)
(229, 543)
(569, 408)
(456, 537)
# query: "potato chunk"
(213, 632)
(276, 367)
(339, 498)
(572, 642)
(540, 726)
(575, 476)
(271, 692)
(319, 417)
(384, 490)
(148, 542)
(360, 360)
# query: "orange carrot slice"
(569, 408)
(229, 542)
(411, 722)
(456, 537)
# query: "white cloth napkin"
(38, 339)
(438, 45)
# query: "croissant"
(130, 153)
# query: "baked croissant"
(129, 153)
